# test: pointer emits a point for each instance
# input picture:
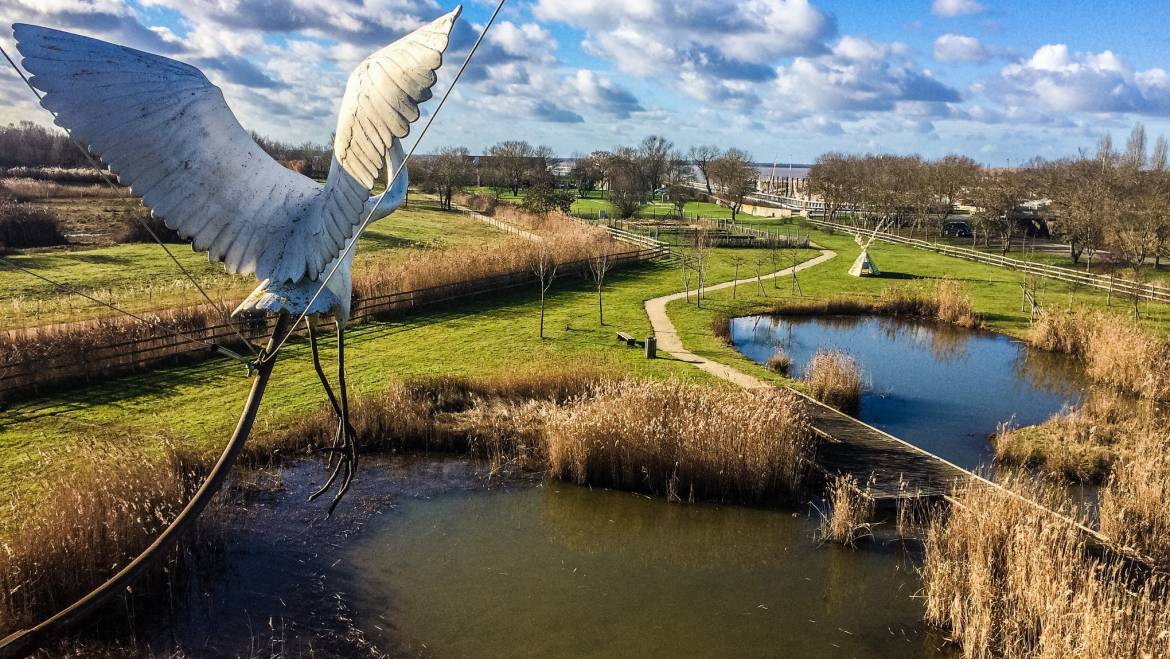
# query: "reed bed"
(1008, 580)
(30, 189)
(945, 301)
(92, 518)
(850, 513)
(721, 327)
(1133, 510)
(1117, 350)
(834, 378)
(683, 441)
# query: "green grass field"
(198, 404)
(141, 277)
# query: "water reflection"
(943, 388)
(566, 571)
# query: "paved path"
(669, 342)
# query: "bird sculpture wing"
(168, 134)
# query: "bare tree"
(511, 161)
(734, 177)
(737, 261)
(544, 266)
(654, 158)
(599, 265)
(702, 246)
(446, 172)
(701, 156)
(626, 190)
(678, 183)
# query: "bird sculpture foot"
(343, 452)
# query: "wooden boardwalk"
(889, 467)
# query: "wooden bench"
(628, 338)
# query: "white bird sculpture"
(168, 134)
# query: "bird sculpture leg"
(311, 323)
(346, 449)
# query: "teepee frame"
(864, 265)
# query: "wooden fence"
(147, 344)
(1118, 285)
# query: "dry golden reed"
(1080, 443)
(1006, 579)
(683, 440)
(1117, 350)
(945, 300)
(779, 362)
(834, 378)
(850, 512)
(1134, 511)
(90, 519)
(27, 189)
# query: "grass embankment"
(141, 277)
(669, 438)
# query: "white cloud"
(1057, 79)
(709, 48)
(951, 8)
(858, 76)
(959, 48)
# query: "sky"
(785, 80)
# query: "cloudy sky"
(783, 79)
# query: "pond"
(939, 387)
(432, 559)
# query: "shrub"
(834, 378)
(22, 225)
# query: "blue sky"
(782, 79)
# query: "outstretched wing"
(168, 133)
(382, 97)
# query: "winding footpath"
(670, 343)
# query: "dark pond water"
(431, 559)
(942, 388)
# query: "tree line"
(631, 176)
(1112, 199)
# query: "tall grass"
(22, 226)
(1006, 579)
(834, 378)
(92, 518)
(58, 174)
(1117, 350)
(683, 440)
